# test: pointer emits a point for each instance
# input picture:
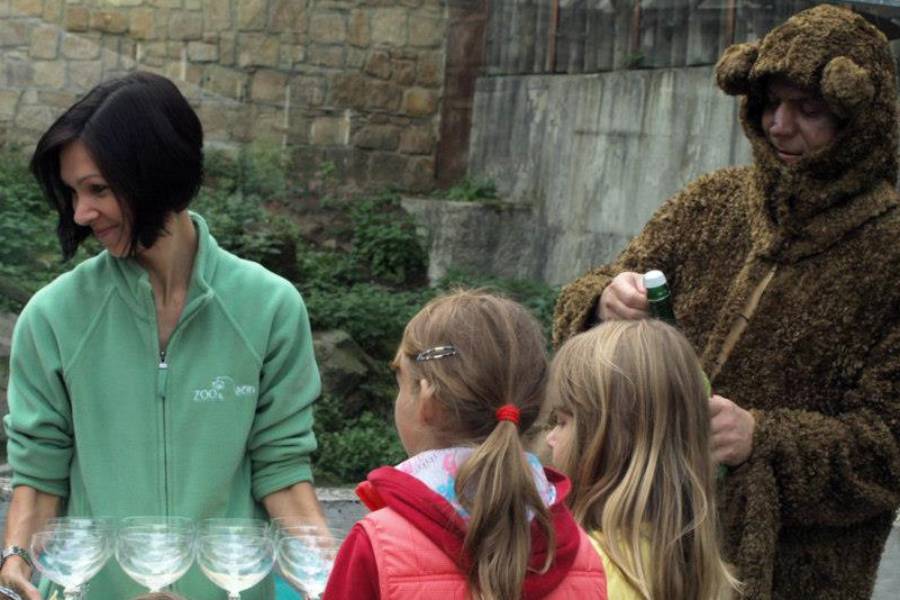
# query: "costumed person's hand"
(624, 298)
(731, 431)
(16, 575)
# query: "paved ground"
(887, 586)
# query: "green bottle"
(659, 297)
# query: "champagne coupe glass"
(305, 560)
(232, 525)
(70, 552)
(155, 551)
(281, 525)
(235, 554)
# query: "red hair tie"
(508, 412)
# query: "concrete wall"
(588, 157)
(356, 82)
(585, 160)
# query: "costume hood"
(435, 517)
(840, 55)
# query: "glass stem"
(234, 596)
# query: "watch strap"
(9, 594)
(16, 551)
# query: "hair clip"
(435, 353)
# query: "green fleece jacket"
(99, 417)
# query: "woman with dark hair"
(164, 376)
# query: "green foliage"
(635, 60)
(29, 249)
(326, 271)
(469, 190)
(241, 224)
(348, 453)
(256, 170)
(385, 241)
(536, 296)
(373, 315)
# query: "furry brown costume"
(807, 515)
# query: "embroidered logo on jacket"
(223, 388)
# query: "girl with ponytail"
(470, 514)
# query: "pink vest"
(410, 565)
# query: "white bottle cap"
(654, 279)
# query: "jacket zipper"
(162, 378)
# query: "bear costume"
(786, 278)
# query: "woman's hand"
(624, 298)
(16, 575)
(29, 510)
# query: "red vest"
(411, 565)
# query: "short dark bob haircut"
(147, 142)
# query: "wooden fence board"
(543, 14)
(570, 37)
(606, 31)
(494, 42)
(592, 41)
(563, 35)
(518, 37)
(705, 30)
(526, 35)
(624, 46)
(678, 22)
(647, 42)
(598, 35)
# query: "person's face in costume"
(796, 121)
(94, 203)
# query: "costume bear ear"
(846, 86)
(733, 69)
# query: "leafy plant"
(537, 296)
(348, 454)
(469, 190)
(635, 60)
(254, 170)
(373, 315)
(29, 249)
(326, 271)
(241, 224)
(385, 241)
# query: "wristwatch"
(8, 594)
(15, 551)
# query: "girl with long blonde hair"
(630, 403)
(470, 514)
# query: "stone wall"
(355, 82)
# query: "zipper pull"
(162, 360)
